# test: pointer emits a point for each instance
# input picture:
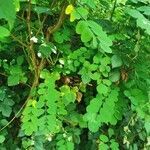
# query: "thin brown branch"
(31, 53)
(16, 115)
(19, 41)
(54, 28)
(29, 18)
(41, 27)
(3, 74)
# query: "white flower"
(39, 54)
(54, 50)
(5, 60)
(49, 137)
(64, 135)
(61, 61)
(69, 138)
(34, 39)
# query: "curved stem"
(113, 10)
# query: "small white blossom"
(69, 138)
(39, 54)
(54, 50)
(5, 60)
(61, 61)
(34, 39)
(49, 137)
(126, 129)
(64, 135)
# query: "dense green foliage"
(74, 74)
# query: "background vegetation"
(74, 74)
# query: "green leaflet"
(17, 5)
(105, 41)
(114, 76)
(103, 138)
(147, 126)
(139, 102)
(80, 13)
(46, 49)
(142, 22)
(65, 144)
(102, 89)
(96, 70)
(2, 138)
(68, 95)
(16, 74)
(101, 110)
(83, 29)
(6, 102)
(7, 11)
(40, 10)
(4, 32)
(90, 30)
(116, 61)
(75, 59)
(106, 143)
(145, 10)
(90, 3)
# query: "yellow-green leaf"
(69, 9)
